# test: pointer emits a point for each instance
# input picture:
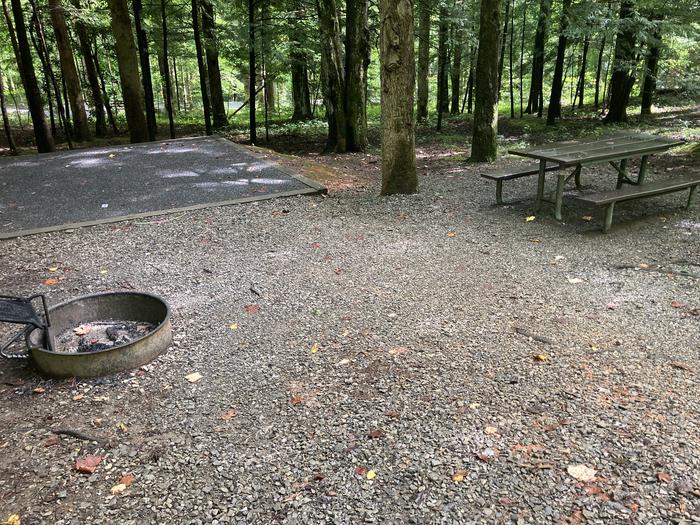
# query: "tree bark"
(652, 68)
(456, 71)
(502, 55)
(5, 118)
(357, 56)
(301, 97)
(397, 64)
(581, 85)
(44, 140)
(252, 124)
(510, 60)
(71, 79)
(470, 80)
(127, 60)
(146, 78)
(484, 147)
(332, 62)
(424, 11)
(442, 103)
(201, 67)
(598, 71)
(211, 48)
(166, 70)
(537, 77)
(554, 109)
(623, 67)
(522, 55)
(105, 96)
(91, 73)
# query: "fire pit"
(137, 328)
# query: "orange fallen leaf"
(39, 390)
(252, 309)
(118, 489)
(361, 470)
(678, 304)
(634, 507)
(78, 397)
(51, 281)
(664, 477)
(392, 413)
(87, 464)
(376, 434)
(229, 415)
(459, 475)
(52, 441)
(13, 519)
(127, 479)
(451, 234)
(541, 358)
(296, 399)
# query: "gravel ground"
(417, 359)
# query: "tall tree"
(624, 64)
(211, 48)
(252, 73)
(71, 79)
(534, 103)
(146, 78)
(397, 63)
(44, 140)
(301, 98)
(357, 53)
(90, 71)
(504, 38)
(201, 67)
(581, 84)
(456, 70)
(652, 68)
(554, 109)
(5, 119)
(127, 60)
(484, 147)
(442, 101)
(166, 70)
(598, 71)
(424, 11)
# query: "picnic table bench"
(616, 150)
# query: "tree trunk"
(177, 83)
(554, 109)
(332, 62)
(537, 77)
(91, 73)
(424, 10)
(442, 105)
(5, 118)
(397, 64)
(127, 60)
(502, 55)
(652, 68)
(71, 79)
(201, 68)
(105, 96)
(456, 72)
(510, 60)
(623, 67)
(252, 71)
(146, 78)
(581, 86)
(301, 97)
(598, 71)
(357, 54)
(166, 71)
(484, 147)
(470, 80)
(211, 48)
(522, 55)
(44, 140)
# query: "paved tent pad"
(91, 186)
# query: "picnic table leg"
(691, 196)
(561, 181)
(642, 169)
(621, 173)
(499, 192)
(577, 177)
(540, 185)
(608, 217)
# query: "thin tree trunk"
(252, 125)
(177, 84)
(485, 128)
(127, 60)
(442, 103)
(502, 54)
(652, 68)
(397, 65)
(166, 72)
(581, 85)
(534, 103)
(598, 70)
(201, 67)
(522, 55)
(456, 71)
(146, 78)
(91, 74)
(70, 76)
(357, 55)
(470, 80)
(301, 97)
(510, 59)
(623, 68)
(5, 118)
(424, 10)
(211, 48)
(105, 95)
(554, 109)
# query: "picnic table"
(615, 149)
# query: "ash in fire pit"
(100, 335)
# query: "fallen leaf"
(296, 399)
(587, 218)
(581, 472)
(595, 490)
(229, 415)
(530, 218)
(82, 330)
(123, 427)
(678, 304)
(542, 358)
(103, 272)
(344, 362)
(252, 308)
(506, 502)
(634, 507)
(315, 348)
(51, 281)
(39, 390)
(611, 306)
(643, 265)
(52, 441)
(535, 240)
(459, 476)
(490, 429)
(392, 413)
(451, 234)
(13, 519)
(361, 470)
(371, 474)
(376, 434)
(487, 454)
(193, 377)
(233, 327)
(127, 479)
(681, 366)
(87, 464)
(118, 489)
(78, 397)
(398, 350)
(664, 477)
(574, 280)
(52, 268)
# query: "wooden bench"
(516, 172)
(610, 198)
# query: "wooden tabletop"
(617, 146)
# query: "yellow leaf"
(451, 234)
(371, 474)
(118, 489)
(594, 348)
(587, 218)
(14, 519)
(490, 430)
(103, 272)
(233, 327)
(315, 348)
(542, 358)
(459, 475)
(643, 265)
(123, 427)
(52, 268)
(78, 397)
(193, 377)
(474, 406)
(530, 218)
